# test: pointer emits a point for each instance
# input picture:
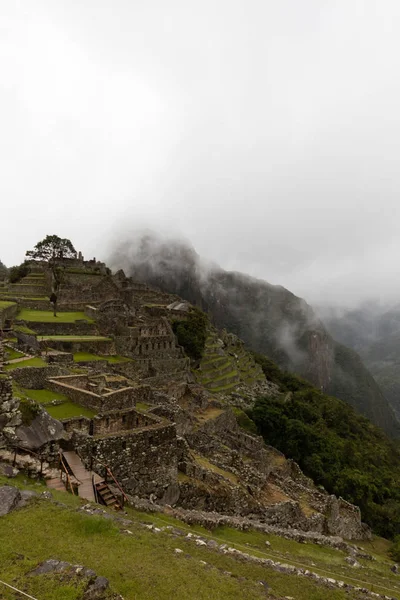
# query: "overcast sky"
(267, 132)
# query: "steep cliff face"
(269, 318)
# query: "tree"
(52, 251)
(192, 333)
(3, 270)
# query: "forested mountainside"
(270, 319)
(374, 332)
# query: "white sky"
(267, 133)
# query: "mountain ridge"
(270, 319)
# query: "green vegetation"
(45, 316)
(3, 270)
(73, 338)
(31, 362)
(117, 359)
(24, 329)
(5, 304)
(244, 420)
(333, 445)
(17, 273)
(51, 249)
(29, 410)
(43, 396)
(64, 410)
(68, 409)
(192, 333)
(159, 572)
(12, 354)
(88, 357)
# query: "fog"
(266, 133)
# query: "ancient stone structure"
(140, 449)
(101, 392)
(165, 431)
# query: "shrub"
(244, 420)
(17, 273)
(192, 333)
(29, 411)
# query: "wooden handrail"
(27, 450)
(116, 482)
(67, 474)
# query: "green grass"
(11, 354)
(66, 410)
(46, 316)
(8, 295)
(73, 338)
(32, 362)
(5, 304)
(118, 359)
(59, 411)
(43, 396)
(24, 329)
(142, 566)
(87, 357)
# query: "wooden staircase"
(106, 496)
(73, 474)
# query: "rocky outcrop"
(9, 499)
(95, 587)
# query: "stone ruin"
(187, 448)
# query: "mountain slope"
(270, 320)
(374, 332)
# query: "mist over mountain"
(373, 330)
(269, 318)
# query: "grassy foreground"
(143, 565)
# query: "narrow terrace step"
(221, 376)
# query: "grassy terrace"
(11, 354)
(31, 362)
(46, 316)
(73, 338)
(64, 410)
(5, 304)
(144, 566)
(88, 357)
(10, 295)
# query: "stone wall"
(36, 378)
(8, 314)
(81, 288)
(106, 347)
(115, 399)
(79, 327)
(144, 461)
(31, 289)
(9, 414)
(111, 422)
(27, 341)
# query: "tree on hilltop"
(52, 250)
